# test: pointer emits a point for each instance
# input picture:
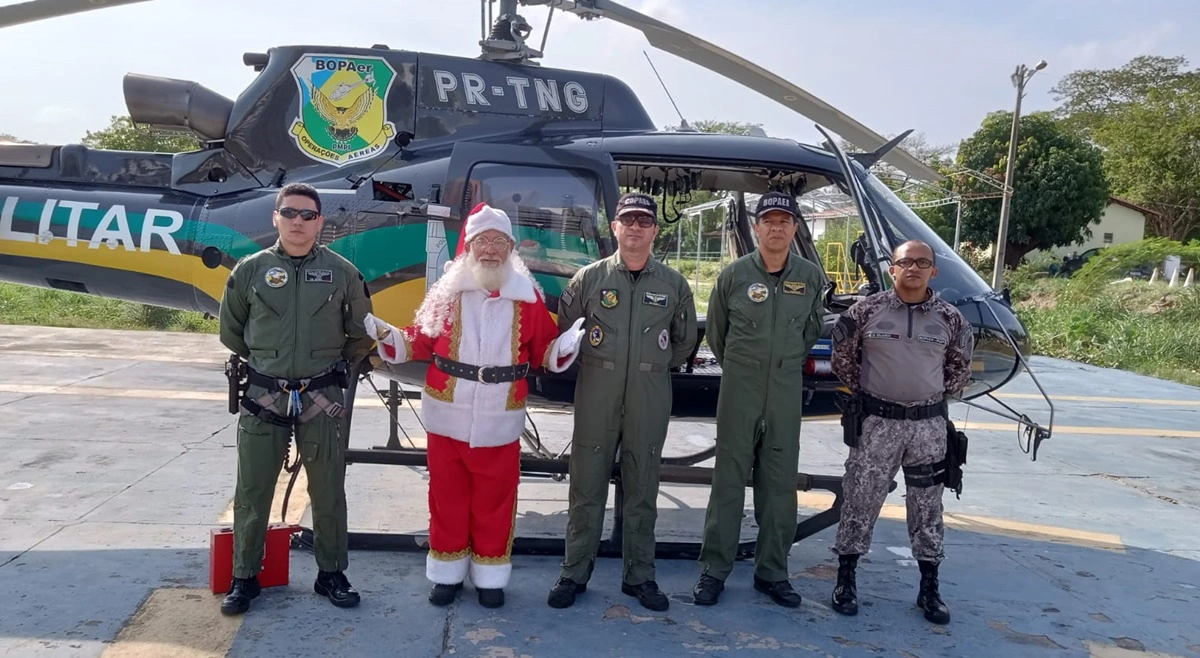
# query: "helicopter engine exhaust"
(170, 104)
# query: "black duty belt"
(483, 374)
(873, 406)
(272, 383)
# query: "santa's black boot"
(845, 594)
(928, 599)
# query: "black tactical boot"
(333, 584)
(563, 593)
(647, 594)
(780, 591)
(444, 594)
(491, 598)
(241, 591)
(928, 599)
(707, 590)
(845, 593)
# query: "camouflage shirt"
(903, 352)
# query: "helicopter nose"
(995, 361)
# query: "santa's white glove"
(570, 338)
(566, 346)
(376, 328)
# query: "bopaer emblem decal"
(757, 292)
(342, 116)
(794, 287)
(596, 336)
(663, 339)
(276, 277)
(608, 298)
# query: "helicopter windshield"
(957, 280)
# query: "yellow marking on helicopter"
(989, 525)
(185, 269)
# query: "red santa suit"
(474, 427)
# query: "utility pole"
(1019, 78)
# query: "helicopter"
(401, 145)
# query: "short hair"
(921, 243)
(298, 189)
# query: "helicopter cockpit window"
(956, 277)
(557, 214)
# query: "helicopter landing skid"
(677, 470)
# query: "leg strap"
(925, 475)
(321, 403)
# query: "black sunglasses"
(644, 221)
(291, 213)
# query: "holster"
(956, 456)
(236, 372)
(852, 418)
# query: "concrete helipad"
(119, 460)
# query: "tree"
(1092, 96)
(1153, 158)
(5, 137)
(122, 135)
(1058, 181)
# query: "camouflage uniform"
(910, 355)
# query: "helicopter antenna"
(683, 124)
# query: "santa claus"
(484, 326)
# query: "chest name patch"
(938, 340)
(794, 287)
(882, 335)
(318, 276)
(654, 299)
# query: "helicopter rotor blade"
(36, 10)
(748, 74)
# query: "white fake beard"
(489, 278)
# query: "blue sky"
(934, 66)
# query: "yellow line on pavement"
(155, 393)
(1093, 398)
(181, 623)
(1162, 432)
(1097, 650)
(116, 356)
(989, 525)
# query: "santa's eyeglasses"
(292, 213)
(500, 242)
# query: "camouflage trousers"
(884, 447)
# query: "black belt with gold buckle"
(482, 374)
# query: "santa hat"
(482, 218)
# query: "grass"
(59, 308)
(1139, 327)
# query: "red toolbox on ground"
(275, 558)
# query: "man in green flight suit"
(764, 315)
(640, 319)
(295, 312)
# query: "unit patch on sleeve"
(794, 287)
(654, 298)
(318, 276)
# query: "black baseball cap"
(777, 201)
(637, 202)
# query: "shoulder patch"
(844, 328)
(567, 296)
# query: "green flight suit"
(636, 331)
(293, 318)
(761, 329)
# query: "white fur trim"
(443, 572)
(488, 218)
(556, 354)
(478, 414)
(490, 576)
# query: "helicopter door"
(559, 201)
(876, 250)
